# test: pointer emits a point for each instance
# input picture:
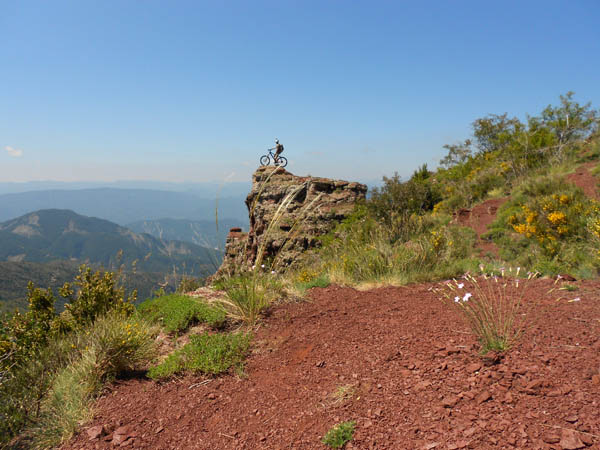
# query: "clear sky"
(197, 90)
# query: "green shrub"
(205, 353)
(188, 284)
(339, 435)
(549, 225)
(47, 396)
(23, 335)
(177, 312)
(93, 294)
(113, 344)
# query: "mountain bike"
(265, 160)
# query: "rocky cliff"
(287, 213)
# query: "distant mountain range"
(54, 234)
(125, 206)
(204, 232)
(208, 190)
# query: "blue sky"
(195, 91)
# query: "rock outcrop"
(287, 213)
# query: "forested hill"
(53, 234)
(201, 232)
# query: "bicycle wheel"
(282, 161)
(265, 160)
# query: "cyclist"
(278, 150)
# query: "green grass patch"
(339, 435)
(177, 312)
(205, 353)
(321, 281)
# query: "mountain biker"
(278, 150)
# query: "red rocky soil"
(410, 367)
(479, 218)
(583, 178)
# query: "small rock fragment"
(569, 440)
(96, 432)
(474, 367)
(551, 438)
(450, 401)
(586, 438)
(483, 397)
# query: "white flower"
(273, 272)
(467, 296)
(262, 266)
(460, 285)
(456, 299)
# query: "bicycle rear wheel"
(282, 161)
(265, 160)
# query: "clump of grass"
(339, 435)
(205, 353)
(308, 279)
(343, 393)
(495, 308)
(113, 344)
(248, 294)
(177, 312)
(568, 287)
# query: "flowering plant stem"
(494, 306)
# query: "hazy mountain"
(203, 233)
(125, 205)
(52, 234)
(208, 190)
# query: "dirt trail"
(479, 218)
(583, 178)
(411, 370)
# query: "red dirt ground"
(478, 219)
(585, 180)
(413, 369)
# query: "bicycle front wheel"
(282, 161)
(265, 160)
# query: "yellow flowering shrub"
(555, 218)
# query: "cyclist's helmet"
(277, 141)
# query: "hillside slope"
(14, 277)
(199, 232)
(367, 357)
(51, 234)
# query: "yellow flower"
(557, 217)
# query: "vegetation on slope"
(407, 230)
(53, 365)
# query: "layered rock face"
(287, 213)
